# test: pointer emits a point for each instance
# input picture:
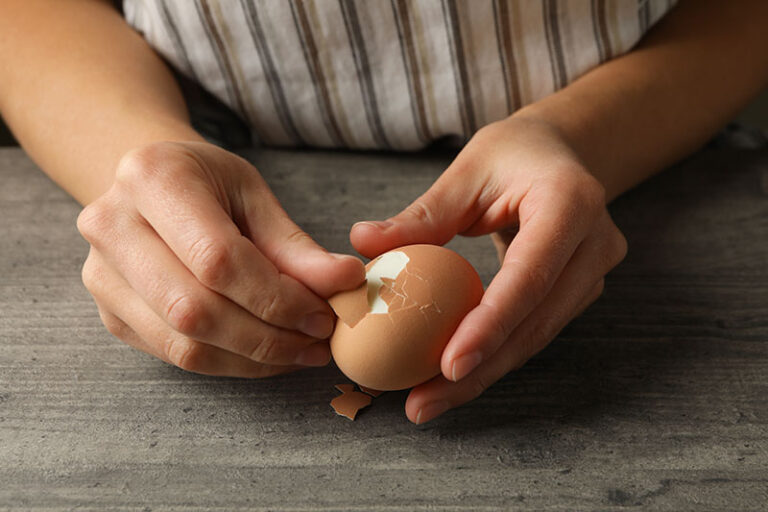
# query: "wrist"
(159, 130)
(582, 131)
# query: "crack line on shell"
(402, 294)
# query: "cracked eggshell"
(392, 330)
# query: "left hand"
(514, 176)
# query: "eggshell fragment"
(345, 388)
(350, 306)
(416, 299)
(350, 401)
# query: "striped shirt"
(385, 74)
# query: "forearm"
(79, 88)
(639, 113)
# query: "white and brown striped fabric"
(386, 74)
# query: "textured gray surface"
(656, 398)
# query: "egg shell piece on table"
(393, 328)
(349, 403)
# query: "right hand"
(194, 261)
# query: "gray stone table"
(656, 398)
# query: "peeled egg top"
(392, 329)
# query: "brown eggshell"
(402, 347)
(351, 305)
(350, 401)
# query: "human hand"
(519, 180)
(194, 261)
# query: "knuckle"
(619, 248)
(211, 263)
(141, 164)
(90, 274)
(266, 350)
(614, 247)
(94, 221)
(599, 288)
(187, 315)
(295, 238)
(420, 211)
(185, 353)
(591, 297)
(114, 325)
(270, 308)
(95, 277)
(537, 279)
(134, 166)
(490, 132)
(489, 129)
(501, 326)
(592, 192)
(298, 236)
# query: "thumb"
(295, 253)
(444, 210)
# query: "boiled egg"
(392, 330)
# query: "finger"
(448, 207)
(191, 309)
(296, 254)
(119, 306)
(192, 355)
(431, 399)
(552, 225)
(197, 228)
(263, 220)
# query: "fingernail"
(378, 224)
(463, 366)
(343, 256)
(431, 411)
(317, 325)
(317, 354)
